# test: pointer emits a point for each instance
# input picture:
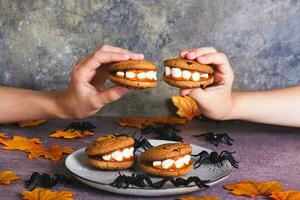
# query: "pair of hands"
(85, 94)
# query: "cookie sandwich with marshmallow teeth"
(171, 159)
(112, 152)
(139, 74)
(183, 73)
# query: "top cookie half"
(185, 73)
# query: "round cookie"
(106, 145)
(163, 152)
(109, 143)
(142, 74)
(192, 67)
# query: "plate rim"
(107, 184)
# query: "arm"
(84, 96)
(280, 107)
(21, 104)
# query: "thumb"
(197, 94)
(112, 94)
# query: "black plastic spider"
(215, 158)
(141, 142)
(215, 139)
(163, 132)
(81, 126)
(45, 180)
(124, 181)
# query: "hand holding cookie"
(215, 101)
(85, 94)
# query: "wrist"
(60, 107)
(231, 110)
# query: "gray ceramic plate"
(79, 167)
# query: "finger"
(218, 59)
(113, 49)
(100, 57)
(183, 52)
(193, 54)
(185, 92)
(100, 77)
(111, 94)
(198, 95)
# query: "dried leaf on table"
(70, 134)
(31, 123)
(187, 107)
(168, 120)
(139, 122)
(19, 143)
(54, 152)
(6, 177)
(136, 122)
(46, 194)
(3, 135)
(286, 195)
(33, 147)
(253, 189)
(75, 130)
(199, 198)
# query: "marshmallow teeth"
(119, 155)
(185, 74)
(168, 163)
(151, 75)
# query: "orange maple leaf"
(187, 107)
(286, 195)
(54, 152)
(3, 135)
(33, 147)
(19, 143)
(253, 189)
(30, 123)
(70, 134)
(46, 194)
(6, 177)
(199, 198)
(139, 122)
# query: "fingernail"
(191, 55)
(141, 56)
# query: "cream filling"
(168, 163)
(152, 75)
(119, 155)
(185, 74)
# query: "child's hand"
(85, 95)
(216, 101)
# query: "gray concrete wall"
(41, 40)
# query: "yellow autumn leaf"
(30, 123)
(286, 195)
(6, 177)
(187, 107)
(3, 135)
(34, 148)
(54, 152)
(70, 134)
(253, 189)
(46, 194)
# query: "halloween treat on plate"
(171, 159)
(183, 73)
(138, 74)
(111, 152)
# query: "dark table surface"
(265, 153)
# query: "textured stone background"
(41, 40)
